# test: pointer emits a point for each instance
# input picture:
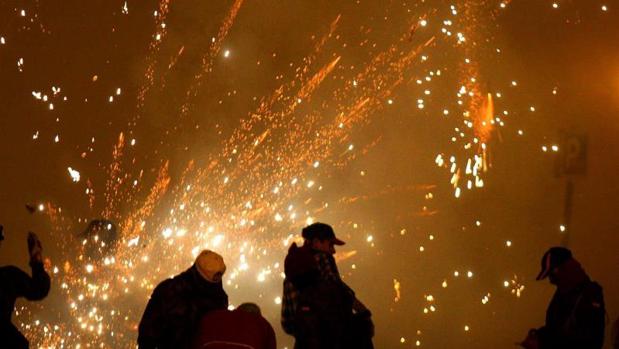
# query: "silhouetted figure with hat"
(575, 318)
(241, 328)
(177, 304)
(318, 308)
(15, 283)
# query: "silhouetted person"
(243, 327)
(102, 237)
(15, 283)
(575, 318)
(317, 306)
(177, 304)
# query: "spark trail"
(262, 182)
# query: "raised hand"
(34, 248)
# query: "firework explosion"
(273, 171)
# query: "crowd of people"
(191, 309)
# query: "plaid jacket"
(328, 273)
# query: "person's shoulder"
(265, 322)
(11, 270)
(165, 287)
(592, 296)
(593, 290)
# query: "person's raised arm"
(35, 287)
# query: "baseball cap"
(553, 258)
(321, 231)
(210, 265)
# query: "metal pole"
(567, 212)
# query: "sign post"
(571, 162)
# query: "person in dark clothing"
(177, 304)
(16, 283)
(102, 237)
(243, 327)
(575, 318)
(318, 308)
(616, 334)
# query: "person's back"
(317, 306)
(177, 304)
(575, 318)
(224, 329)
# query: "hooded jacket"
(175, 307)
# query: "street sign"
(570, 161)
(572, 157)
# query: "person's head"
(211, 266)
(321, 237)
(557, 265)
(251, 308)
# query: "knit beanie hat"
(210, 265)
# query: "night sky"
(425, 132)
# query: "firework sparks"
(272, 172)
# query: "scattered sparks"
(396, 288)
(273, 166)
(75, 175)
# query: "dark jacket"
(575, 318)
(223, 329)
(16, 283)
(175, 307)
(317, 304)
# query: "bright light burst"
(266, 179)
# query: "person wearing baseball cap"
(575, 318)
(322, 237)
(318, 308)
(177, 304)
